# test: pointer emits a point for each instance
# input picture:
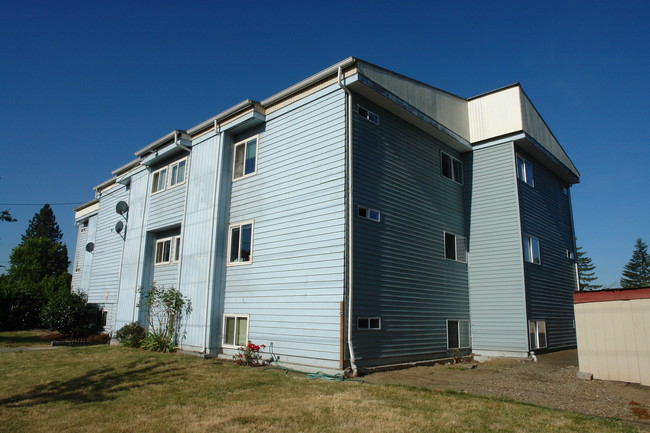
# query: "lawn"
(34, 337)
(113, 389)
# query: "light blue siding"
(79, 257)
(88, 256)
(496, 275)
(166, 208)
(400, 270)
(295, 283)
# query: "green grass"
(114, 389)
(32, 337)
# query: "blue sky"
(84, 84)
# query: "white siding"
(497, 113)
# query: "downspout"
(348, 139)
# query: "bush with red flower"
(249, 354)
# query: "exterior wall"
(546, 214)
(86, 270)
(79, 257)
(496, 274)
(294, 285)
(614, 337)
(166, 208)
(399, 267)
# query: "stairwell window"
(245, 159)
(168, 250)
(240, 243)
(169, 176)
(531, 250)
(177, 172)
(235, 332)
(458, 334)
(159, 180)
(451, 168)
(455, 247)
(537, 334)
(525, 171)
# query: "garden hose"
(275, 365)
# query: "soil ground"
(549, 382)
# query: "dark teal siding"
(399, 271)
(546, 214)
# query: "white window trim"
(240, 224)
(526, 177)
(172, 250)
(234, 152)
(168, 176)
(368, 210)
(223, 333)
(370, 116)
(369, 318)
(469, 337)
(537, 345)
(528, 243)
(454, 175)
(457, 245)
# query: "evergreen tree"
(586, 273)
(637, 271)
(43, 225)
(6, 216)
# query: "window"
(177, 172)
(370, 214)
(368, 115)
(525, 170)
(103, 319)
(537, 334)
(458, 334)
(235, 331)
(245, 160)
(84, 227)
(240, 243)
(168, 250)
(369, 323)
(455, 248)
(451, 168)
(569, 254)
(169, 176)
(531, 250)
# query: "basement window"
(369, 323)
(371, 214)
(455, 248)
(451, 168)
(235, 330)
(368, 115)
(537, 334)
(458, 334)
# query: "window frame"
(174, 250)
(171, 170)
(224, 338)
(370, 116)
(245, 143)
(229, 250)
(458, 242)
(458, 334)
(368, 213)
(369, 320)
(455, 168)
(535, 345)
(167, 178)
(525, 171)
(528, 245)
(155, 180)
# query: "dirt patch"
(549, 382)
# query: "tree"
(586, 273)
(637, 271)
(43, 225)
(70, 313)
(6, 216)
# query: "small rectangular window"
(458, 334)
(167, 250)
(177, 170)
(159, 180)
(245, 159)
(570, 255)
(83, 227)
(370, 214)
(525, 170)
(455, 247)
(531, 250)
(537, 334)
(369, 323)
(451, 168)
(240, 248)
(235, 331)
(104, 318)
(367, 114)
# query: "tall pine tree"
(44, 225)
(637, 271)
(586, 273)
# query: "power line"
(41, 204)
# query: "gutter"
(348, 139)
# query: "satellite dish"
(121, 207)
(119, 227)
(90, 246)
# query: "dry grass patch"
(110, 389)
(33, 337)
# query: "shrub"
(158, 343)
(69, 313)
(165, 308)
(99, 339)
(249, 354)
(131, 335)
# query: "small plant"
(249, 355)
(131, 334)
(165, 308)
(99, 339)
